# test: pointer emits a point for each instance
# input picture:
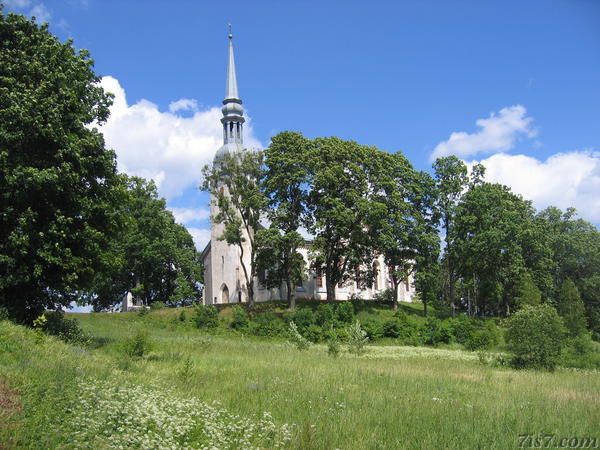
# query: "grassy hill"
(232, 390)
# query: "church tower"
(224, 281)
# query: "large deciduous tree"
(234, 181)
(286, 188)
(153, 257)
(56, 175)
(339, 200)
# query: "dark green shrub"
(344, 312)
(207, 316)
(536, 336)
(373, 328)
(480, 339)
(436, 332)
(182, 317)
(67, 330)
(267, 324)
(3, 313)
(581, 352)
(462, 328)
(571, 308)
(303, 318)
(314, 333)
(325, 315)
(239, 318)
(392, 328)
(155, 306)
(137, 345)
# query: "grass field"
(270, 394)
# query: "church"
(224, 281)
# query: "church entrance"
(225, 295)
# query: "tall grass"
(392, 397)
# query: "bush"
(357, 338)
(240, 318)
(392, 328)
(267, 324)
(303, 318)
(333, 343)
(314, 333)
(182, 316)
(344, 312)
(3, 313)
(325, 315)
(373, 328)
(207, 316)
(155, 306)
(436, 332)
(536, 336)
(581, 352)
(299, 341)
(462, 329)
(137, 345)
(68, 330)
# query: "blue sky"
(514, 84)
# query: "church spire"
(232, 109)
(232, 90)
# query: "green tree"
(57, 176)
(536, 336)
(451, 180)
(527, 292)
(339, 201)
(234, 182)
(286, 187)
(491, 228)
(571, 308)
(153, 257)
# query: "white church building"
(224, 280)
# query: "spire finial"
(230, 35)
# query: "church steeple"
(232, 109)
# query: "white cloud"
(185, 215)
(497, 133)
(41, 13)
(184, 104)
(562, 180)
(201, 237)
(16, 3)
(164, 146)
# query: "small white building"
(224, 280)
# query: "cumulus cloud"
(39, 10)
(187, 215)
(164, 146)
(562, 180)
(184, 104)
(497, 133)
(201, 237)
(41, 13)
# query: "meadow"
(199, 390)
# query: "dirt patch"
(580, 396)
(9, 408)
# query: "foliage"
(153, 257)
(356, 338)
(536, 336)
(54, 323)
(137, 345)
(481, 339)
(207, 316)
(267, 324)
(3, 313)
(373, 328)
(239, 319)
(571, 309)
(155, 306)
(344, 312)
(527, 292)
(234, 182)
(436, 332)
(581, 352)
(285, 186)
(299, 341)
(325, 315)
(57, 176)
(333, 346)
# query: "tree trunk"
(291, 297)
(395, 299)
(249, 282)
(452, 293)
(330, 284)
